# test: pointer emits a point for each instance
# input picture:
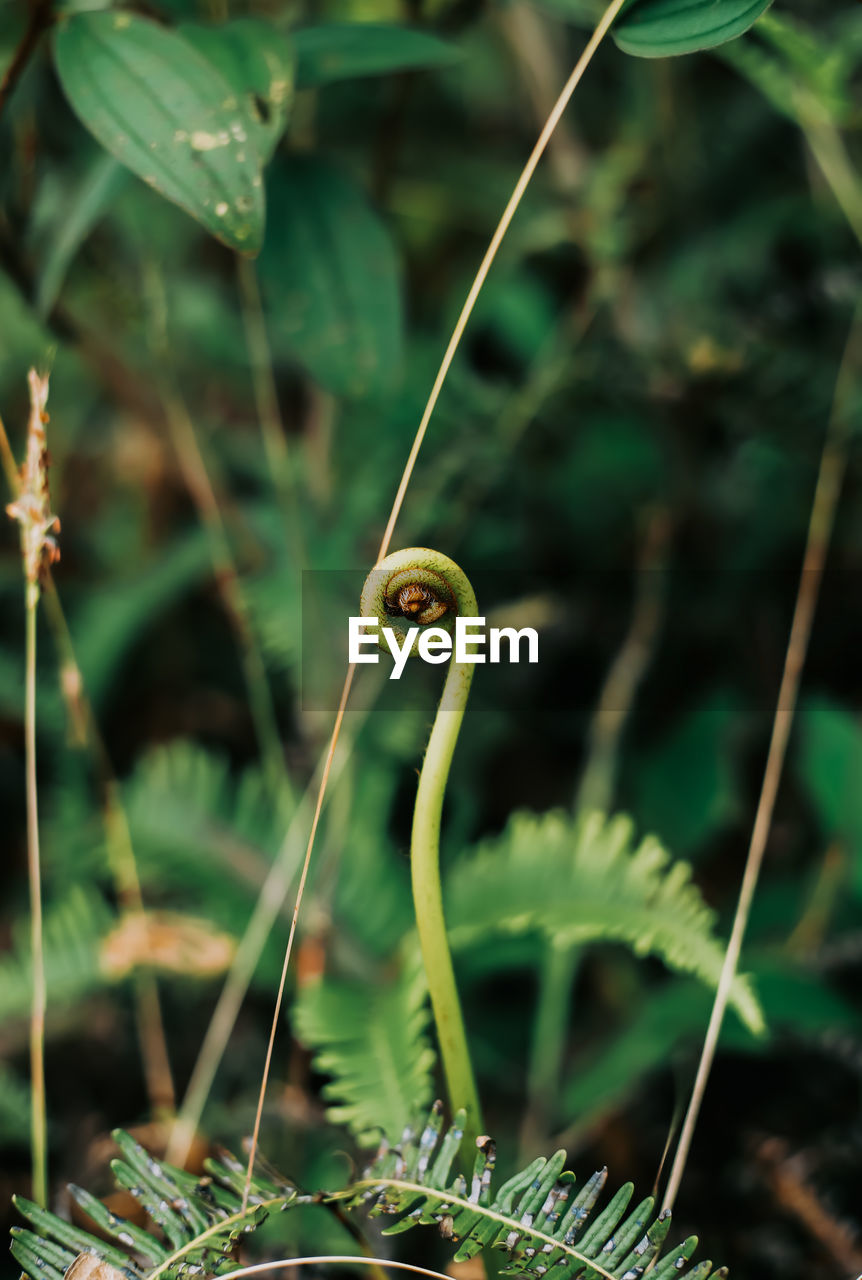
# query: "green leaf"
(686, 786)
(161, 108)
(663, 28)
(332, 281)
(80, 213)
(830, 762)
(372, 1040)
(257, 60)
(345, 50)
(579, 880)
(674, 1017)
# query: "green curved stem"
(450, 585)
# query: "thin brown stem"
(627, 670)
(197, 479)
(154, 1050)
(269, 903)
(496, 240)
(537, 58)
(324, 780)
(559, 965)
(123, 865)
(37, 525)
(604, 25)
(833, 464)
(273, 434)
(787, 1178)
(39, 1115)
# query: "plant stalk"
(38, 1115)
(833, 465)
(278, 457)
(428, 898)
(557, 974)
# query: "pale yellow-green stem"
(38, 1112)
(420, 588)
(38, 525)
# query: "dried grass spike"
(32, 506)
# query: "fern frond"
(194, 825)
(584, 879)
(74, 928)
(535, 1218)
(373, 1041)
(200, 1220)
(274, 607)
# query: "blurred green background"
(629, 437)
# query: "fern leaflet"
(74, 928)
(200, 1220)
(535, 1217)
(584, 879)
(372, 1040)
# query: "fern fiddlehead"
(410, 588)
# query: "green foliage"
(194, 825)
(257, 61)
(829, 761)
(344, 50)
(685, 787)
(662, 327)
(332, 262)
(114, 618)
(371, 1038)
(15, 1105)
(372, 897)
(535, 1217)
(87, 207)
(668, 1026)
(578, 880)
(614, 466)
(73, 928)
(665, 28)
(803, 76)
(199, 1221)
(169, 115)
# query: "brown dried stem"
(833, 464)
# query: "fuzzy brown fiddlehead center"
(416, 601)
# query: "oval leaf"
(257, 61)
(345, 50)
(663, 28)
(331, 279)
(161, 108)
